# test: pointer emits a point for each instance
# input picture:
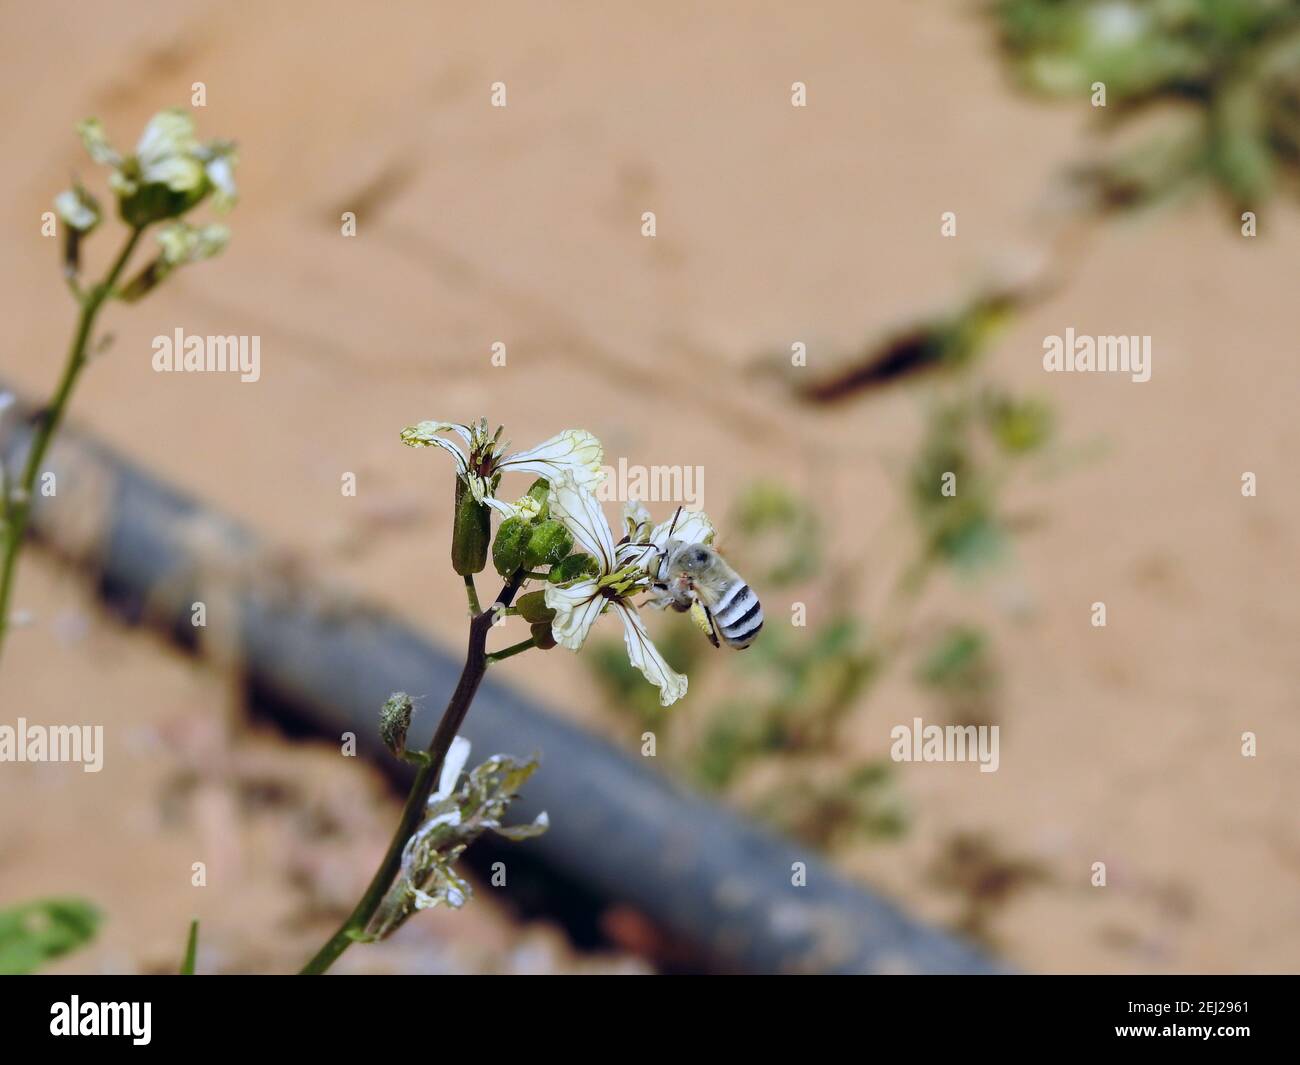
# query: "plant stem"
(476, 663)
(509, 652)
(17, 509)
(471, 594)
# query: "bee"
(695, 577)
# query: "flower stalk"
(169, 174)
(15, 508)
(477, 660)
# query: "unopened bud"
(543, 639)
(509, 549)
(533, 609)
(549, 544)
(394, 720)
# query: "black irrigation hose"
(620, 831)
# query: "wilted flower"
(170, 170)
(574, 453)
(454, 818)
(623, 570)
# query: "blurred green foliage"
(972, 441)
(959, 668)
(36, 932)
(774, 740)
(1219, 78)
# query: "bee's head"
(694, 558)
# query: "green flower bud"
(533, 608)
(394, 720)
(572, 568)
(549, 544)
(472, 531)
(542, 636)
(510, 545)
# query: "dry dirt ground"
(775, 224)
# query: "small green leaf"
(36, 932)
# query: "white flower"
(574, 454)
(645, 544)
(219, 161)
(78, 209)
(624, 570)
(184, 243)
(168, 154)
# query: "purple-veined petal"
(576, 609)
(425, 434)
(574, 452)
(582, 515)
(643, 654)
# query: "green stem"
(17, 511)
(471, 594)
(509, 652)
(476, 663)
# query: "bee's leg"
(713, 627)
(703, 617)
(659, 598)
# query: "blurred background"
(776, 225)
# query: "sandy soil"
(775, 224)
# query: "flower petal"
(452, 764)
(184, 243)
(92, 134)
(180, 173)
(636, 520)
(643, 654)
(576, 609)
(506, 510)
(425, 434)
(78, 208)
(169, 133)
(574, 451)
(581, 514)
(221, 173)
(688, 526)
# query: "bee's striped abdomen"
(739, 615)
